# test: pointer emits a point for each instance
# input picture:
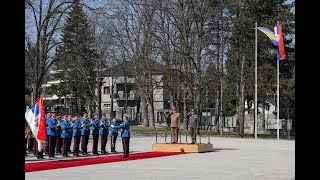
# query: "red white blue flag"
(276, 38)
(279, 37)
(36, 119)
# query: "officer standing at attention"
(125, 134)
(65, 135)
(26, 134)
(85, 132)
(193, 125)
(59, 140)
(104, 128)
(113, 134)
(52, 133)
(30, 143)
(95, 133)
(76, 135)
(175, 125)
(70, 132)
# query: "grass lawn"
(161, 130)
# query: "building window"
(106, 90)
(106, 105)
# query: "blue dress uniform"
(85, 132)
(125, 134)
(65, 135)
(52, 133)
(70, 133)
(113, 136)
(76, 133)
(104, 135)
(59, 140)
(47, 137)
(95, 134)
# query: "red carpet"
(41, 166)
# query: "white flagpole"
(278, 98)
(278, 102)
(256, 86)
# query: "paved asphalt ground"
(242, 159)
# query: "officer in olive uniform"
(76, 135)
(59, 140)
(85, 132)
(95, 133)
(65, 135)
(113, 134)
(175, 125)
(27, 134)
(53, 125)
(193, 125)
(104, 125)
(28, 137)
(125, 134)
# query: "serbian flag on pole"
(36, 119)
(279, 37)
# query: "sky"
(31, 28)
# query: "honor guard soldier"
(48, 117)
(65, 135)
(104, 130)
(113, 134)
(53, 125)
(76, 135)
(85, 132)
(193, 125)
(59, 140)
(39, 154)
(70, 132)
(125, 134)
(175, 125)
(95, 133)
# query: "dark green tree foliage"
(78, 57)
(241, 53)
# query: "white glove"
(112, 126)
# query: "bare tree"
(47, 18)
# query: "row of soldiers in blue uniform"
(61, 132)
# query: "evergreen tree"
(240, 63)
(78, 57)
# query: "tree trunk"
(144, 112)
(221, 72)
(263, 117)
(125, 93)
(216, 112)
(185, 109)
(152, 117)
(111, 96)
(99, 98)
(238, 108)
(288, 116)
(242, 103)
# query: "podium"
(182, 147)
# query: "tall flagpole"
(256, 86)
(278, 102)
(278, 98)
